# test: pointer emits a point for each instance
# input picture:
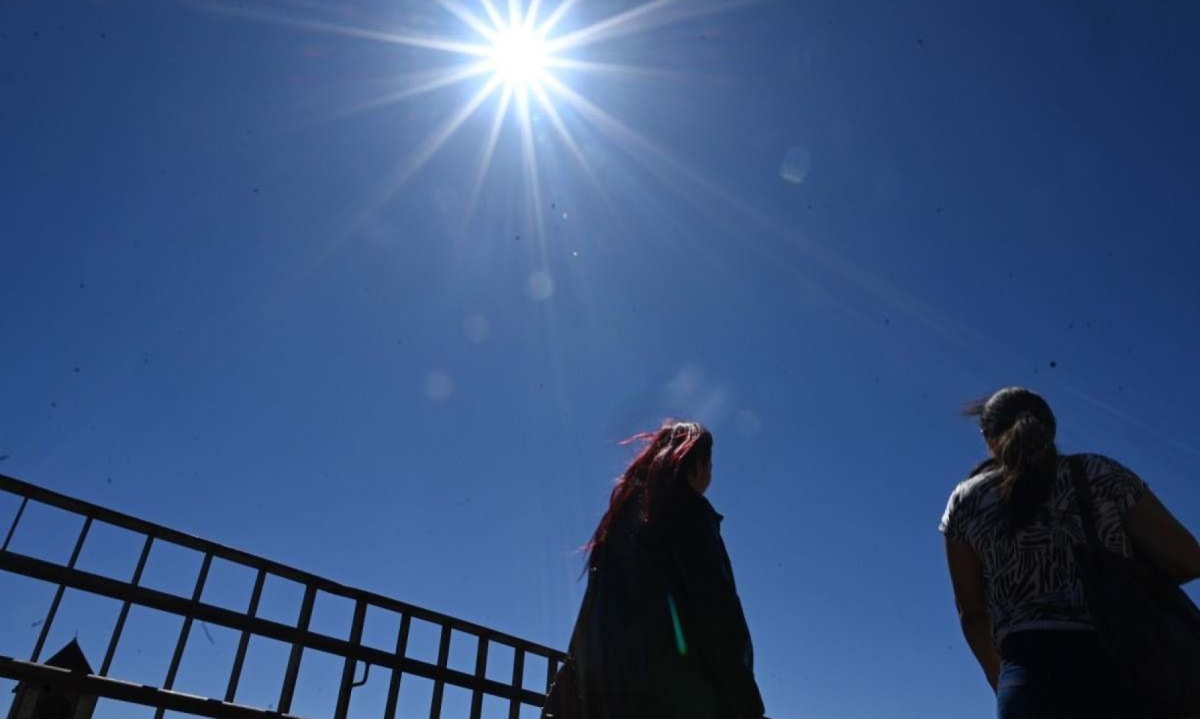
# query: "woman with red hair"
(661, 632)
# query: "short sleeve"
(1114, 484)
(952, 524)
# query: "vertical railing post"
(393, 695)
(58, 594)
(481, 655)
(439, 682)
(518, 683)
(356, 629)
(119, 627)
(551, 671)
(293, 667)
(12, 528)
(185, 631)
(235, 675)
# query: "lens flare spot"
(438, 386)
(748, 423)
(796, 165)
(541, 286)
(477, 328)
(680, 640)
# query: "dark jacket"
(662, 632)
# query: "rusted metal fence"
(513, 694)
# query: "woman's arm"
(966, 574)
(1161, 539)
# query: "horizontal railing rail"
(248, 624)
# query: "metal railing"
(351, 649)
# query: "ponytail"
(1028, 460)
(1020, 430)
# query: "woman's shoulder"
(981, 481)
(970, 504)
(1110, 479)
(1096, 467)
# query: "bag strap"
(1083, 499)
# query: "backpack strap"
(1083, 499)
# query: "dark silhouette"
(1013, 534)
(34, 700)
(661, 632)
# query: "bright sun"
(518, 56)
(520, 48)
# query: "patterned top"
(1030, 575)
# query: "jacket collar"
(702, 503)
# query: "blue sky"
(233, 302)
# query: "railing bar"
(393, 696)
(481, 655)
(13, 527)
(293, 667)
(58, 593)
(518, 683)
(342, 706)
(119, 627)
(185, 631)
(235, 676)
(94, 686)
(439, 684)
(181, 606)
(551, 672)
(237, 556)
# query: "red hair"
(660, 470)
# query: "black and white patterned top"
(1030, 575)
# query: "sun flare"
(518, 57)
(524, 58)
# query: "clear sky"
(247, 293)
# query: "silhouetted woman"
(661, 633)
(1010, 531)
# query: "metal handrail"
(301, 638)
